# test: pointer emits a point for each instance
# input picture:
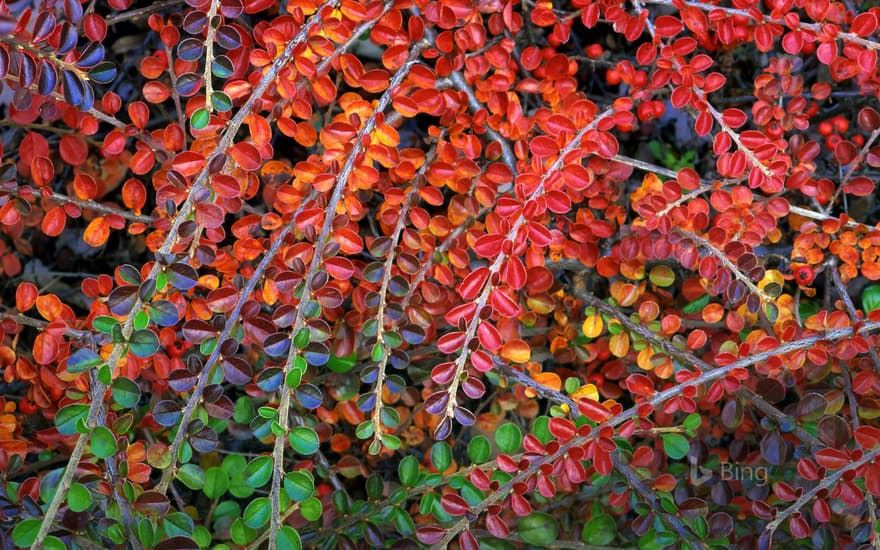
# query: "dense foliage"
(483, 273)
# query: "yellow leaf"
(517, 351)
(587, 390)
(593, 326)
(619, 344)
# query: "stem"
(648, 496)
(89, 204)
(141, 12)
(656, 400)
(722, 257)
(95, 412)
(495, 267)
(209, 55)
(825, 484)
(317, 258)
(171, 238)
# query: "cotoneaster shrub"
(489, 273)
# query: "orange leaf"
(49, 307)
(517, 351)
(46, 348)
(97, 232)
(549, 379)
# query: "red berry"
(26, 406)
(804, 274)
(841, 124)
(612, 76)
(595, 51)
(826, 127)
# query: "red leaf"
(543, 146)
(734, 117)
(667, 26)
(454, 505)
(246, 155)
(832, 459)
(451, 342)
(489, 246)
(430, 534)
(639, 384)
(593, 410)
(561, 428)
(520, 505)
(473, 283)
(514, 273)
(497, 527)
(188, 163)
(73, 149)
(867, 437)
(25, 296)
(42, 171)
(607, 145)
(821, 511)
(489, 337)
(54, 221)
(864, 24)
(467, 541)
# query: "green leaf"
(408, 471)
(103, 442)
(67, 418)
(126, 392)
(104, 323)
(199, 119)
(342, 364)
(479, 449)
(392, 442)
(697, 305)
(538, 529)
(693, 421)
(508, 437)
(216, 482)
(304, 440)
(178, 524)
(364, 430)
(240, 533)
(541, 429)
(192, 476)
(675, 445)
(288, 538)
(221, 102)
(25, 532)
(82, 360)
(143, 343)
(54, 543)
(601, 530)
(258, 471)
(78, 497)
(257, 513)
(870, 298)
(311, 509)
(299, 485)
(141, 320)
(441, 456)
